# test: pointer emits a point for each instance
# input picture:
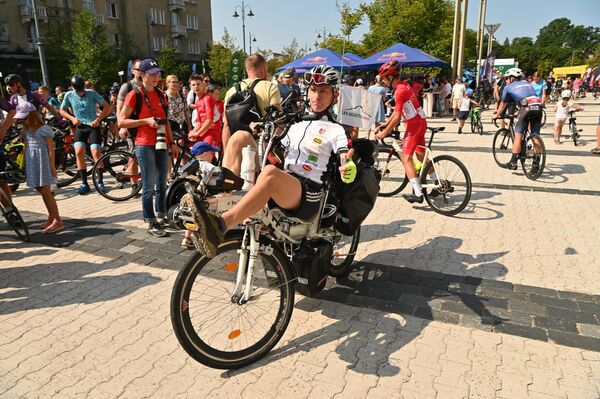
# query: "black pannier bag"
(242, 108)
(357, 199)
(311, 261)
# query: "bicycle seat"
(436, 129)
(222, 179)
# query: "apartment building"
(151, 24)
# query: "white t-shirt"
(562, 113)
(465, 104)
(447, 89)
(458, 91)
(191, 100)
(309, 146)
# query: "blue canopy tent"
(349, 57)
(321, 57)
(405, 55)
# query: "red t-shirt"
(205, 110)
(407, 103)
(145, 134)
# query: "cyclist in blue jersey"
(530, 114)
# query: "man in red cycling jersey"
(407, 106)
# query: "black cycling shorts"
(529, 116)
(310, 201)
(509, 109)
(85, 132)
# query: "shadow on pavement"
(558, 174)
(47, 285)
(372, 232)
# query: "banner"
(488, 66)
(236, 68)
(358, 107)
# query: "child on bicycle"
(562, 110)
(39, 162)
(465, 107)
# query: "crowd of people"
(164, 115)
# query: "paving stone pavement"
(499, 302)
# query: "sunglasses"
(315, 78)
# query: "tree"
(350, 18)
(171, 63)
(91, 55)
(219, 57)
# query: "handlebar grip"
(310, 117)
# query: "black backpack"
(242, 108)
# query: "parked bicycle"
(502, 150)
(231, 310)
(12, 152)
(448, 195)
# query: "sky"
(276, 23)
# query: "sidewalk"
(499, 302)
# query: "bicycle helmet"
(566, 94)
(78, 83)
(469, 92)
(390, 68)
(323, 74)
(12, 78)
(514, 72)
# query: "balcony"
(176, 5)
(99, 19)
(178, 31)
(27, 13)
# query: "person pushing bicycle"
(530, 114)
(407, 106)
(299, 188)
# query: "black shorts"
(529, 116)
(310, 201)
(509, 109)
(85, 132)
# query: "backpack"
(139, 100)
(242, 108)
(14, 99)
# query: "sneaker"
(164, 224)
(413, 198)
(459, 130)
(13, 220)
(83, 189)
(512, 165)
(453, 120)
(157, 231)
(101, 187)
(187, 243)
(208, 232)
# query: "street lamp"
(243, 14)
(323, 36)
(251, 39)
(492, 28)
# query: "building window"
(3, 31)
(192, 22)
(157, 16)
(115, 39)
(177, 45)
(192, 1)
(174, 19)
(111, 10)
(193, 47)
(89, 5)
(155, 43)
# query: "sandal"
(596, 151)
(47, 223)
(54, 228)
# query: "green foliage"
(171, 63)
(340, 45)
(350, 18)
(219, 57)
(594, 60)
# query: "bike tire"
(116, 188)
(454, 186)
(502, 147)
(574, 134)
(338, 269)
(473, 125)
(66, 168)
(527, 162)
(543, 117)
(277, 276)
(14, 219)
(393, 176)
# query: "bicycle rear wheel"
(344, 252)
(532, 157)
(451, 193)
(13, 217)
(393, 176)
(212, 326)
(480, 126)
(543, 117)
(502, 147)
(473, 124)
(66, 167)
(119, 171)
(574, 133)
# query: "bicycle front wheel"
(502, 147)
(13, 217)
(543, 117)
(393, 176)
(450, 193)
(574, 133)
(473, 124)
(210, 323)
(344, 251)
(66, 167)
(480, 126)
(120, 176)
(535, 159)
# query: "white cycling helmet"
(566, 94)
(514, 72)
(323, 74)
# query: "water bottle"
(161, 135)
(418, 165)
(248, 166)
